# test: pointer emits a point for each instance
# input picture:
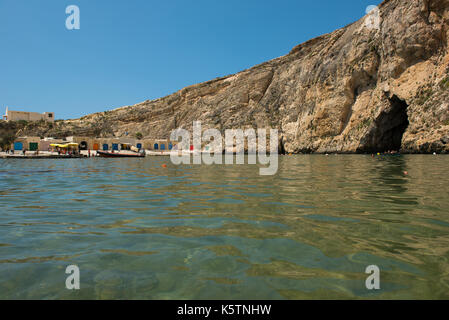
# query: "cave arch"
(389, 128)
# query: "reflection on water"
(137, 230)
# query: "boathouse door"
(18, 146)
(33, 146)
(83, 145)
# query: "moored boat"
(108, 154)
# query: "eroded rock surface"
(358, 89)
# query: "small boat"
(107, 154)
(397, 154)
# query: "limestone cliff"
(358, 89)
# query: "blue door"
(139, 146)
(170, 146)
(18, 146)
(115, 146)
(105, 147)
(156, 146)
(162, 146)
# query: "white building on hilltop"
(28, 116)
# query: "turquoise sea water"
(137, 230)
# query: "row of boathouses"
(94, 144)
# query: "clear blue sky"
(130, 51)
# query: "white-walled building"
(28, 116)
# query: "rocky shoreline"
(359, 89)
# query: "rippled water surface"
(137, 230)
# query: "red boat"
(107, 154)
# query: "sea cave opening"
(389, 127)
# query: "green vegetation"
(423, 96)
(139, 135)
(364, 123)
(373, 46)
(7, 140)
(444, 84)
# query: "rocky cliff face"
(358, 89)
